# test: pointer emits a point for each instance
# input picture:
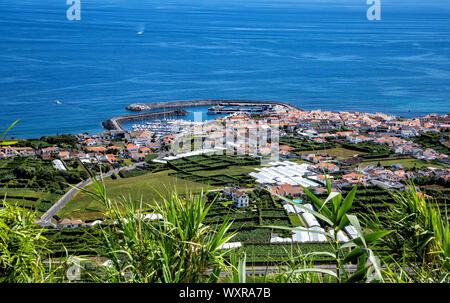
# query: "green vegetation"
(21, 246)
(145, 187)
(25, 172)
(303, 144)
(432, 140)
(420, 240)
(278, 253)
(64, 140)
(370, 149)
(165, 250)
(340, 153)
(176, 249)
(214, 169)
(401, 236)
(148, 168)
(406, 163)
(333, 211)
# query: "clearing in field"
(339, 152)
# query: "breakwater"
(115, 123)
(193, 103)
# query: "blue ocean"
(314, 54)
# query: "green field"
(231, 171)
(33, 199)
(406, 163)
(145, 187)
(339, 152)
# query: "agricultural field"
(340, 153)
(302, 144)
(375, 198)
(251, 226)
(39, 201)
(276, 253)
(145, 187)
(407, 163)
(215, 170)
(34, 184)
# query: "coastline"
(115, 123)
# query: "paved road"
(45, 219)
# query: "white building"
(240, 199)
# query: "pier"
(115, 123)
(194, 103)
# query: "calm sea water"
(314, 54)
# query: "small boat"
(58, 102)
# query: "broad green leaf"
(343, 223)
(318, 203)
(241, 269)
(372, 237)
(347, 204)
(355, 222)
(358, 276)
(333, 197)
(316, 214)
(321, 253)
(376, 266)
(327, 181)
(355, 253)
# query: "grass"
(340, 153)
(145, 186)
(295, 220)
(231, 171)
(407, 163)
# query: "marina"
(251, 108)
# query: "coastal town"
(347, 148)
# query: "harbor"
(174, 109)
(249, 108)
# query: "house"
(113, 148)
(51, 149)
(97, 149)
(287, 190)
(357, 139)
(64, 155)
(354, 177)
(143, 137)
(24, 151)
(7, 151)
(67, 223)
(240, 199)
(326, 166)
(131, 148)
(144, 150)
(89, 142)
(110, 158)
(138, 157)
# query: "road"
(45, 219)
